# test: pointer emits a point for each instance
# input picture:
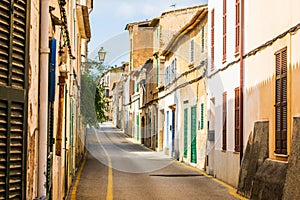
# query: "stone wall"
(292, 182)
(256, 152)
(264, 178)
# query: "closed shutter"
(281, 102)
(212, 39)
(224, 138)
(202, 116)
(237, 25)
(237, 119)
(202, 39)
(193, 134)
(131, 87)
(13, 107)
(185, 132)
(224, 30)
(192, 50)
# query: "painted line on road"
(109, 192)
(74, 190)
(232, 190)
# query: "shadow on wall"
(263, 178)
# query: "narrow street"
(116, 168)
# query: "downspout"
(241, 118)
(43, 97)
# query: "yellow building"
(184, 92)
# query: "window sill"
(223, 61)
(236, 152)
(281, 155)
(191, 65)
(224, 151)
(236, 54)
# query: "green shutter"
(202, 116)
(202, 40)
(193, 134)
(13, 98)
(185, 132)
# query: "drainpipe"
(43, 97)
(242, 83)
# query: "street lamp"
(101, 54)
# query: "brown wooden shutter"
(237, 25)
(131, 87)
(13, 98)
(224, 30)
(281, 102)
(237, 119)
(212, 39)
(224, 138)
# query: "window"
(202, 39)
(137, 87)
(157, 71)
(107, 92)
(224, 30)
(14, 67)
(202, 117)
(237, 119)
(281, 102)
(212, 39)
(170, 72)
(237, 25)
(224, 139)
(192, 50)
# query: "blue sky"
(109, 18)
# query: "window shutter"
(237, 119)
(202, 116)
(202, 40)
(131, 89)
(212, 39)
(192, 49)
(237, 25)
(13, 99)
(281, 101)
(185, 132)
(224, 138)
(224, 30)
(194, 134)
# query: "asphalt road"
(116, 168)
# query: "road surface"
(117, 168)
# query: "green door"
(185, 132)
(193, 134)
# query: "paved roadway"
(116, 168)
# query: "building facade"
(40, 97)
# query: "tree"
(92, 93)
(101, 103)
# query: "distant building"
(109, 79)
(183, 99)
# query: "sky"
(109, 18)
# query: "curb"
(72, 194)
(232, 190)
